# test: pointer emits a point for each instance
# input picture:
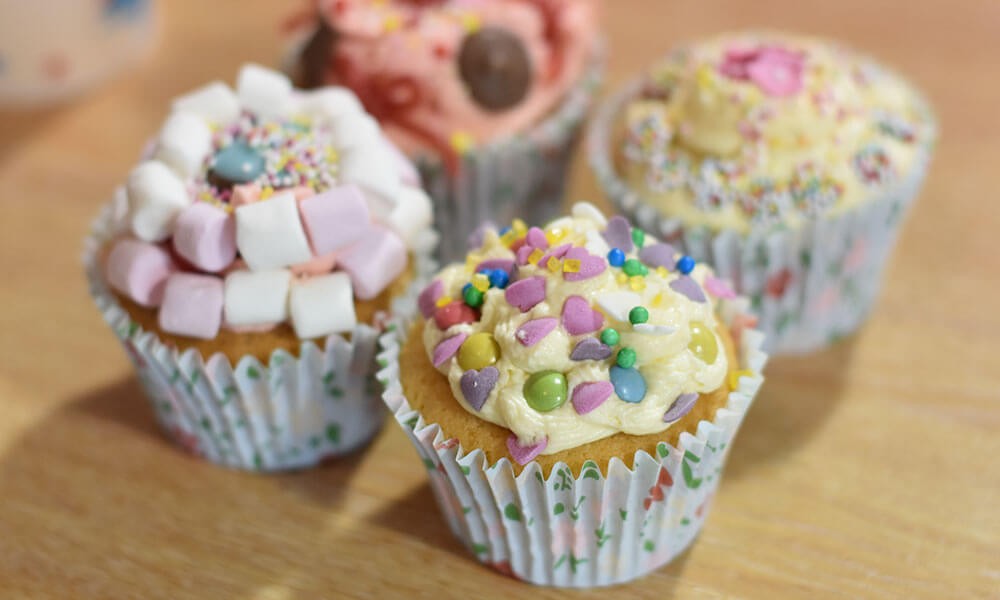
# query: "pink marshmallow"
(244, 194)
(192, 305)
(374, 262)
(205, 236)
(319, 265)
(335, 219)
(139, 270)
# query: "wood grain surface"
(868, 470)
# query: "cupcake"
(488, 97)
(573, 391)
(249, 264)
(788, 163)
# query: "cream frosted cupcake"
(488, 97)
(249, 264)
(786, 162)
(572, 391)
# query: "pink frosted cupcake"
(489, 96)
(248, 266)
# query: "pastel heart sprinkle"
(526, 293)
(658, 255)
(427, 301)
(589, 395)
(447, 348)
(590, 265)
(524, 454)
(590, 349)
(536, 238)
(523, 253)
(502, 264)
(688, 287)
(557, 252)
(719, 288)
(533, 331)
(579, 318)
(681, 406)
(619, 234)
(477, 385)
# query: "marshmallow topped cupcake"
(568, 352)
(785, 161)
(264, 225)
(459, 84)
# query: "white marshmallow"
(185, 141)
(214, 102)
(322, 305)
(371, 169)
(329, 103)
(355, 130)
(155, 197)
(257, 297)
(263, 91)
(411, 215)
(586, 210)
(269, 233)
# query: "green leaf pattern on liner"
(512, 512)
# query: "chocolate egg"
(496, 68)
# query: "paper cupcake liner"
(290, 413)
(520, 176)
(605, 526)
(809, 286)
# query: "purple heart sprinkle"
(533, 331)
(658, 255)
(523, 253)
(536, 238)
(447, 348)
(590, 265)
(589, 395)
(427, 301)
(477, 385)
(526, 293)
(681, 406)
(579, 318)
(524, 454)
(590, 349)
(619, 234)
(687, 286)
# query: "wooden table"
(869, 469)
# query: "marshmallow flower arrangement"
(573, 391)
(253, 209)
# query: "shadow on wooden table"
(799, 395)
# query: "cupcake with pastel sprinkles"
(250, 262)
(786, 162)
(488, 97)
(573, 390)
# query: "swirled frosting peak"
(574, 332)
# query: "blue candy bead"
(498, 278)
(629, 384)
(616, 257)
(685, 265)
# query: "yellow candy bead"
(481, 282)
(703, 343)
(553, 264)
(480, 350)
(535, 256)
(571, 265)
(443, 301)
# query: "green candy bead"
(610, 337)
(633, 267)
(546, 390)
(478, 351)
(703, 343)
(473, 297)
(638, 237)
(637, 315)
(626, 358)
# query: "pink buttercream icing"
(401, 58)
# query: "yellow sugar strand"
(443, 301)
(535, 256)
(480, 282)
(637, 283)
(571, 265)
(553, 264)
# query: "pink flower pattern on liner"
(776, 71)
